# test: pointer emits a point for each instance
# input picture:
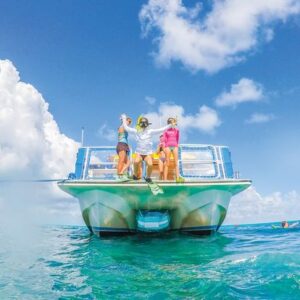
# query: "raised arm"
(126, 127)
(294, 225)
(160, 130)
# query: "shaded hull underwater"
(110, 208)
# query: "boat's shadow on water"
(161, 247)
(186, 248)
(145, 250)
(158, 265)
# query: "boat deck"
(160, 182)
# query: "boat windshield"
(195, 162)
(102, 164)
(198, 162)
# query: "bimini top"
(196, 162)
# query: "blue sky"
(91, 63)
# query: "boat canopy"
(196, 161)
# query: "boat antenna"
(82, 136)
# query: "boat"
(197, 206)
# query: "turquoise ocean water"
(254, 262)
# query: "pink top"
(171, 137)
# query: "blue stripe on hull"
(112, 229)
(199, 228)
(109, 231)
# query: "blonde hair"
(172, 119)
(137, 126)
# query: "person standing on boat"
(171, 140)
(123, 151)
(161, 157)
(144, 146)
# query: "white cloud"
(250, 207)
(106, 133)
(30, 138)
(31, 144)
(150, 100)
(259, 118)
(205, 120)
(221, 38)
(246, 90)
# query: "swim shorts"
(122, 147)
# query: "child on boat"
(171, 140)
(144, 142)
(161, 157)
(123, 151)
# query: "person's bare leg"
(161, 169)
(140, 172)
(149, 163)
(122, 157)
(167, 162)
(137, 163)
(126, 164)
(175, 156)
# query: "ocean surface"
(254, 262)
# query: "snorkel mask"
(143, 123)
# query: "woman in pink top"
(171, 141)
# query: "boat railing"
(195, 162)
(236, 175)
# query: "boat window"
(102, 164)
(198, 162)
(205, 154)
(199, 169)
(226, 155)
